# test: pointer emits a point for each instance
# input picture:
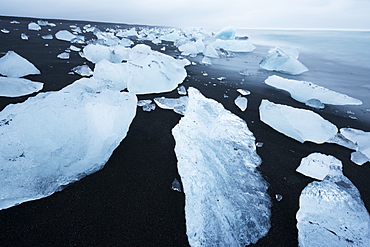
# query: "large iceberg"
(317, 165)
(332, 213)
(304, 91)
(15, 87)
(56, 138)
(226, 203)
(278, 60)
(299, 124)
(13, 65)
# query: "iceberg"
(292, 52)
(15, 87)
(65, 35)
(56, 138)
(362, 141)
(83, 70)
(332, 213)
(234, 45)
(317, 165)
(304, 91)
(241, 102)
(13, 65)
(188, 49)
(178, 105)
(226, 33)
(210, 51)
(226, 200)
(281, 62)
(299, 124)
(34, 26)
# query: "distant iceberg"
(226, 33)
(56, 138)
(226, 200)
(15, 87)
(332, 213)
(304, 91)
(278, 60)
(13, 65)
(299, 124)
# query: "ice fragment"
(15, 87)
(34, 26)
(83, 70)
(13, 65)
(241, 102)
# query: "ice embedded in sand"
(56, 138)
(299, 124)
(241, 102)
(63, 55)
(24, 36)
(361, 139)
(13, 65)
(65, 35)
(34, 26)
(332, 213)
(178, 105)
(303, 91)
(210, 52)
(226, 200)
(15, 87)
(48, 36)
(280, 61)
(317, 165)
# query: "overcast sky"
(316, 14)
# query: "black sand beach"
(130, 201)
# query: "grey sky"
(322, 14)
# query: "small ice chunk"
(83, 70)
(74, 48)
(226, 33)
(15, 87)
(13, 65)
(241, 102)
(315, 103)
(359, 158)
(206, 61)
(332, 213)
(210, 51)
(281, 62)
(361, 139)
(178, 105)
(222, 78)
(163, 48)
(234, 45)
(126, 42)
(45, 23)
(243, 92)
(317, 165)
(144, 102)
(63, 55)
(24, 36)
(181, 90)
(48, 36)
(176, 186)
(299, 124)
(14, 22)
(259, 144)
(4, 30)
(278, 197)
(34, 26)
(304, 91)
(65, 35)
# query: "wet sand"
(130, 201)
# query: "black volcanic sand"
(130, 201)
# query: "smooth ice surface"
(279, 61)
(83, 70)
(243, 92)
(332, 213)
(234, 45)
(210, 52)
(13, 65)
(226, 33)
(15, 87)
(317, 165)
(241, 102)
(362, 142)
(299, 124)
(34, 26)
(56, 138)
(178, 105)
(226, 203)
(65, 35)
(304, 91)
(115, 74)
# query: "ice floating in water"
(65, 35)
(24, 36)
(15, 87)
(13, 65)
(362, 141)
(226, 33)
(178, 105)
(234, 45)
(243, 92)
(63, 55)
(226, 203)
(48, 36)
(83, 70)
(146, 104)
(299, 124)
(34, 26)
(282, 62)
(181, 90)
(56, 138)
(241, 102)
(317, 165)
(332, 213)
(304, 91)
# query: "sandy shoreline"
(129, 202)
